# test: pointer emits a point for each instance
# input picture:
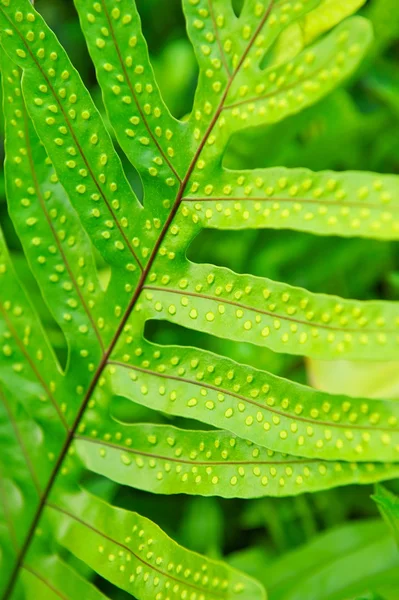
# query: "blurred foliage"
(355, 127)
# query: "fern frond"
(26, 354)
(67, 191)
(75, 137)
(303, 32)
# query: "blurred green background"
(355, 127)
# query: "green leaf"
(167, 460)
(19, 480)
(137, 556)
(352, 559)
(371, 380)
(319, 20)
(32, 428)
(26, 354)
(49, 229)
(283, 90)
(388, 503)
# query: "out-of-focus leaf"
(388, 503)
(375, 380)
(353, 559)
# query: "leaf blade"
(48, 226)
(314, 74)
(49, 578)
(63, 109)
(388, 504)
(325, 203)
(270, 411)
(268, 313)
(167, 460)
(146, 549)
(114, 33)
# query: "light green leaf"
(167, 460)
(272, 314)
(265, 22)
(137, 556)
(328, 14)
(371, 380)
(283, 90)
(256, 405)
(29, 445)
(209, 27)
(49, 578)
(316, 22)
(325, 203)
(26, 358)
(225, 47)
